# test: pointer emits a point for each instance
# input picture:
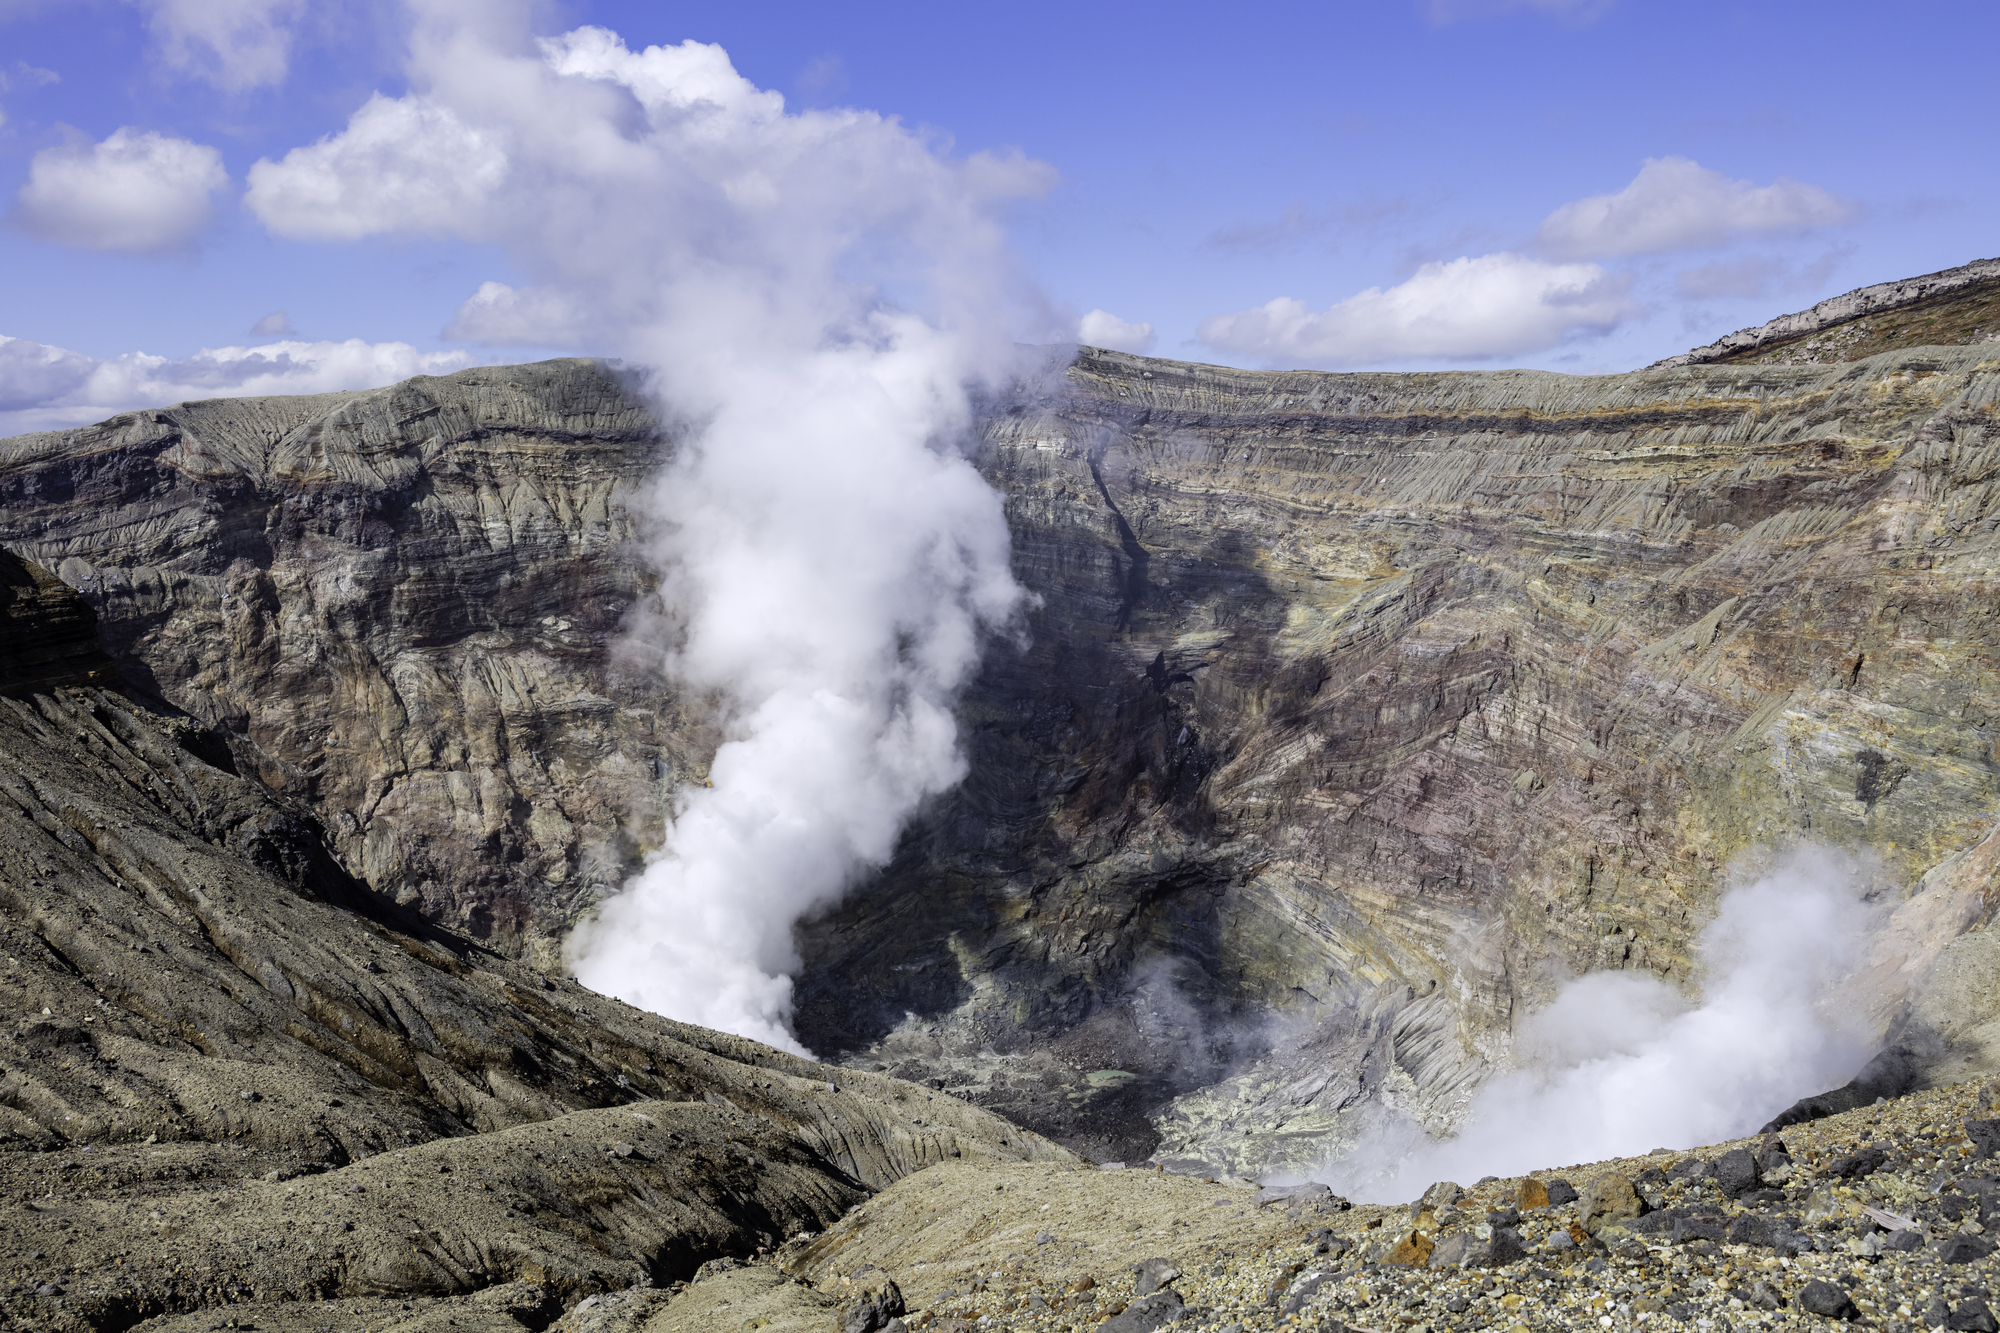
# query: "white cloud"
(1101, 328)
(1462, 310)
(277, 324)
(501, 316)
(235, 45)
(406, 164)
(47, 388)
(138, 193)
(1675, 204)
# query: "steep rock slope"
(1388, 700)
(1953, 307)
(1376, 703)
(230, 1072)
(398, 608)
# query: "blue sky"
(1204, 165)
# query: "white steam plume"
(815, 295)
(1621, 1064)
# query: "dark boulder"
(1889, 1075)
(1146, 1314)
(1153, 1274)
(1963, 1249)
(874, 1309)
(1858, 1164)
(1736, 1173)
(1827, 1301)
(1972, 1314)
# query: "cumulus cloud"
(47, 388)
(1101, 328)
(1460, 310)
(137, 193)
(815, 294)
(1622, 1063)
(502, 316)
(403, 164)
(1675, 204)
(235, 45)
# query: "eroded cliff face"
(1387, 701)
(231, 1073)
(400, 608)
(1357, 711)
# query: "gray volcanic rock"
(48, 635)
(1954, 306)
(398, 608)
(1352, 702)
(1359, 699)
(224, 1055)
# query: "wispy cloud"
(1758, 275)
(1443, 13)
(1675, 204)
(235, 45)
(1298, 225)
(1464, 310)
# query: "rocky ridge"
(232, 1073)
(1377, 703)
(1953, 306)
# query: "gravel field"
(1726, 1237)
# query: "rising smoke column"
(812, 294)
(1621, 1063)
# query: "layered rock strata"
(1388, 701)
(1356, 712)
(230, 1072)
(1953, 306)
(399, 608)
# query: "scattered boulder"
(1560, 1192)
(1154, 1274)
(1854, 1166)
(1533, 1194)
(1904, 1242)
(1411, 1251)
(1468, 1249)
(1695, 1228)
(1607, 1199)
(1691, 1169)
(1972, 1314)
(1736, 1173)
(1985, 1136)
(1146, 1314)
(872, 1311)
(1443, 1194)
(1827, 1301)
(1963, 1249)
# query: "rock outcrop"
(48, 635)
(398, 607)
(230, 1072)
(1952, 307)
(1357, 709)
